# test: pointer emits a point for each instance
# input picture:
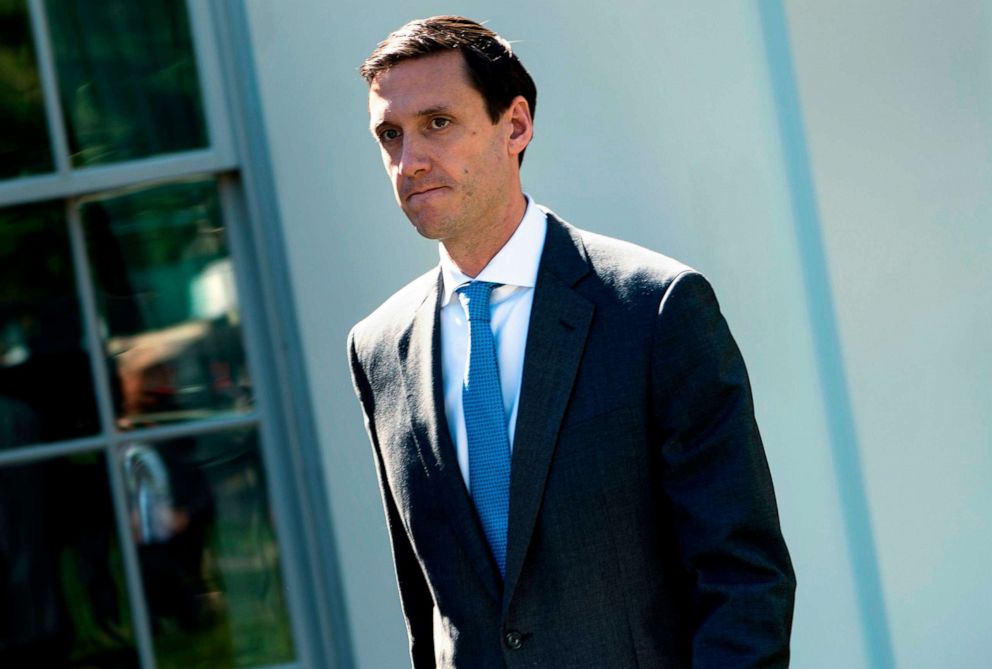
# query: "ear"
(521, 125)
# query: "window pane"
(46, 389)
(24, 146)
(165, 287)
(62, 593)
(208, 551)
(127, 78)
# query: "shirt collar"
(516, 263)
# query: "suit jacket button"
(514, 640)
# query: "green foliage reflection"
(127, 78)
(24, 146)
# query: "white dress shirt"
(515, 266)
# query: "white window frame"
(237, 157)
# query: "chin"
(430, 224)
(426, 229)
(426, 233)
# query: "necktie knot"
(476, 298)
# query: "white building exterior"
(869, 212)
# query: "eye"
(439, 122)
(388, 135)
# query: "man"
(561, 422)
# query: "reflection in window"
(24, 146)
(127, 78)
(209, 557)
(45, 378)
(62, 596)
(167, 297)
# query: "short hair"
(493, 69)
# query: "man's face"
(453, 170)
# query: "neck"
(472, 256)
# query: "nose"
(414, 157)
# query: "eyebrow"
(428, 111)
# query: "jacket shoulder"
(624, 261)
(625, 266)
(392, 317)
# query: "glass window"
(62, 593)
(127, 78)
(127, 267)
(165, 287)
(46, 388)
(208, 551)
(24, 145)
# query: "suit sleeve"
(415, 596)
(718, 483)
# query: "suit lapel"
(420, 361)
(559, 323)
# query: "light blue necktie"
(485, 423)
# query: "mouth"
(423, 192)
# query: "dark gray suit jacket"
(643, 529)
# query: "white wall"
(897, 98)
(656, 122)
